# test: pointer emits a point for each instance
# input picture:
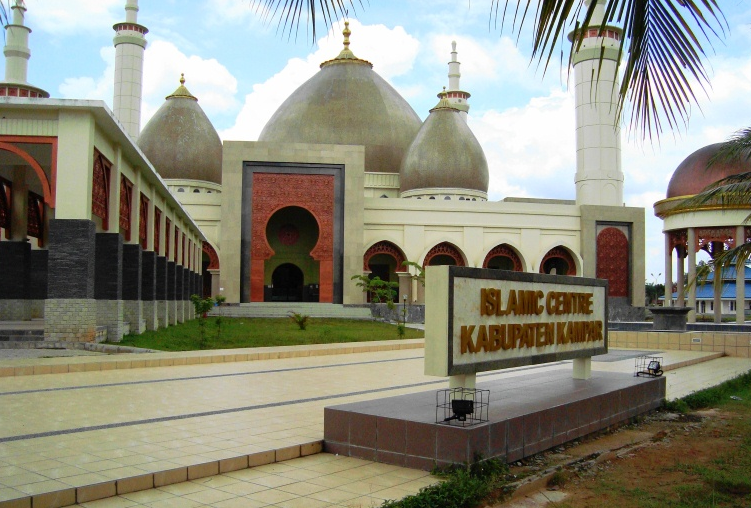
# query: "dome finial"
(346, 54)
(181, 91)
(346, 33)
(443, 103)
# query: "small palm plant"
(301, 320)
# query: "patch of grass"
(463, 487)
(259, 332)
(721, 393)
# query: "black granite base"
(527, 414)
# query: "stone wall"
(732, 344)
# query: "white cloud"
(207, 79)
(530, 150)
(391, 50)
(65, 18)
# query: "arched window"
(180, 189)
(196, 191)
(503, 257)
(444, 253)
(558, 261)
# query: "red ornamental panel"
(177, 244)
(444, 249)
(143, 221)
(182, 260)
(678, 239)
(190, 252)
(705, 236)
(560, 253)
(157, 228)
(35, 217)
(385, 248)
(126, 200)
(314, 193)
(100, 189)
(506, 252)
(5, 195)
(213, 257)
(167, 231)
(613, 260)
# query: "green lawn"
(258, 332)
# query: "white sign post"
(480, 320)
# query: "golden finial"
(181, 91)
(346, 54)
(346, 33)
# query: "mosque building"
(344, 180)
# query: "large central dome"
(347, 103)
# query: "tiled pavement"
(89, 434)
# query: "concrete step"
(20, 335)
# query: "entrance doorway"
(287, 284)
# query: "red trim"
(46, 187)
(157, 228)
(444, 249)
(143, 221)
(213, 257)
(387, 248)
(126, 205)
(167, 230)
(561, 253)
(6, 194)
(505, 251)
(100, 188)
(35, 218)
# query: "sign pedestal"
(463, 381)
(583, 368)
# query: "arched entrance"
(503, 257)
(558, 261)
(287, 283)
(291, 273)
(444, 254)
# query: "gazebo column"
(668, 271)
(740, 275)
(405, 286)
(681, 282)
(691, 252)
(717, 248)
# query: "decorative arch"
(47, 190)
(388, 248)
(209, 250)
(444, 249)
(506, 251)
(613, 260)
(314, 193)
(561, 253)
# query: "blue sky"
(241, 68)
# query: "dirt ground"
(639, 465)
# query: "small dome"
(347, 103)
(693, 175)
(180, 140)
(445, 154)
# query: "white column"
(691, 246)
(668, 272)
(717, 287)
(740, 276)
(599, 177)
(130, 42)
(681, 282)
(17, 51)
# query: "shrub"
(301, 320)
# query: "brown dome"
(693, 175)
(180, 140)
(445, 154)
(347, 103)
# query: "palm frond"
(291, 13)
(736, 149)
(728, 259)
(730, 192)
(665, 56)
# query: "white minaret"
(599, 177)
(17, 56)
(130, 43)
(454, 94)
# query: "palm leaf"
(664, 54)
(291, 13)
(736, 149)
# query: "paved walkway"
(91, 434)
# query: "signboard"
(479, 319)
